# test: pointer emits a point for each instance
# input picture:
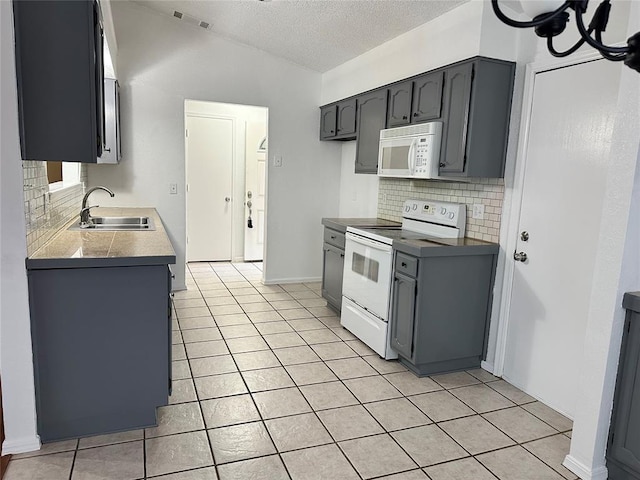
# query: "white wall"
(358, 193)
(162, 62)
(15, 334)
(241, 115)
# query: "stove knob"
(451, 215)
(443, 211)
(415, 206)
(406, 208)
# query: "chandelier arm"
(532, 23)
(566, 53)
(595, 44)
(608, 56)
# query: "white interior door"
(209, 188)
(255, 171)
(564, 183)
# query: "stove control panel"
(439, 213)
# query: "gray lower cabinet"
(623, 452)
(332, 267)
(440, 310)
(372, 117)
(101, 348)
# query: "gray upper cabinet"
(399, 113)
(427, 97)
(60, 79)
(328, 118)
(477, 99)
(346, 124)
(372, 117)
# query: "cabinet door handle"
(105, 149)
(404, 117)
(415, 114)
(331, 131)
(404, 264)
(442, 165)
(342, 255)
(333, 237)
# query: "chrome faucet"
(84, 212)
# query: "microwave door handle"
(412, 157)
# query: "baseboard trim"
(285, 281)
(21, 445)
(584, 472)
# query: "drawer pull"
(404, 264)
(333, 237)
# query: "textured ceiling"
(317, 34)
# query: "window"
(62, 175)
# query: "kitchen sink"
(116, 223)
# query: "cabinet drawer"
(406, 264)
(334, 237)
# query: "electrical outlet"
(384, 198)
(277, 161)
(173, 189)
(478, 211)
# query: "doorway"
(225, 152)
(562, 187)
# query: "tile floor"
(268, 386)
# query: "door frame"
(234, 161)
(515, 172)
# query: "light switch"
(173, 189)
(277, 161)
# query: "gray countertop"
(76, 249)
(341, 224)
(443, 247)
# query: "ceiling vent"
(192, 20)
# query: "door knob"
(520, 256)
(227, 199)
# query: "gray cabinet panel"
(346, 124)
(456, 115)
(427, 97)
(372, 117)
(335, 238)
(60, 80)
(332, 268)
(403, 314)
(399, 113)
(623, 453)
(328, 119)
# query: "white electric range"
(368, 275)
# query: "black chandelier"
(553, 22)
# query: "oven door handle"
(383, 247)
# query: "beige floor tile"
(296, 314)
(553, 418)
(265, 316)
(410, 475)
(196, 322)
(512, 393)
(206, 349)
(517, 463)
(465, 469)
(246, 344)
(266, 468)
(360, 348)
(256, 360)
(309, 373)
(306, 294)
(240, 442)
(186, 294)
(201, 335)
(552, 451)
(475, 434)
(344, 334)
(346, 423)
(331, 321)
(232, 319)
(224, 309)
(284, 340)
(238, 292)
(285, 304)
(519, 424)
(268, 288)
(124, 461)
(333, 351)
(322, 312)
(276, 297)
(481, 398)
(372, 389)
(312, 302)
(320, 335)
(181, 418)
(47, 448)
(110, 439)
(182, 391)
(223, 412)
(262, 306)
(220, 300)
(203, 367)
(294, 287)
(384, 366)
(375, 456)
(273, 327)
(456, 379)
(298, 431)
(410, 384)
(441, 406)
(178, 352)
(428, 445)
(328, 395)
(267, 379)
(302, 324)
(220, 386)
(296, 355)
(176, 337)
(216, 291)
(319, 463)
(397, 413)
(56, 466)
(207, 473)
(195, 301)
(237, 331)
(347, 368)
(175, 453)
(280, 403)
(192, 312)
(180, 370)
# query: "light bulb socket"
(552, 27)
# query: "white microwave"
(410, 152)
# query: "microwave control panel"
(427, 150)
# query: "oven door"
(367, 274)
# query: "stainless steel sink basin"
(116, 223)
